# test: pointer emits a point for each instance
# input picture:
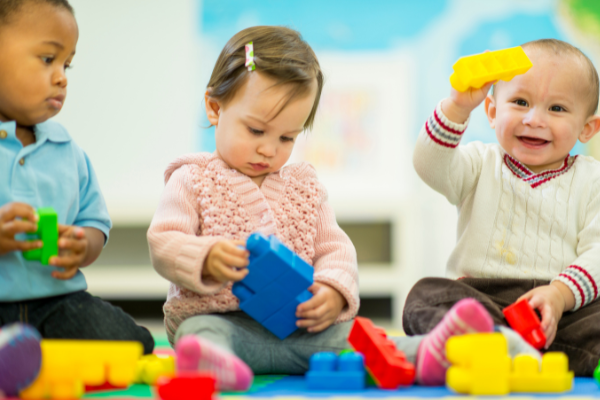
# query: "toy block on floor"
(385, 363)
(276, 284)
(523, 319)
(69, 365)
(153, 366)
(476, 70)
(330, 372)
(554, 376)
(186, 386)
(480, 364)
(47, 232)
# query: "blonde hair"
(280, 53)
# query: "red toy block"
(523, 319)
(387, 365)
(186, 386)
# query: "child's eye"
(68, 66)
(286, 139)
(255, 131)
(557, 108)
(521, 102)
(47, 59)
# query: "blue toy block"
(330, 372)
(276, 284)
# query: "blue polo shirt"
(52, 172)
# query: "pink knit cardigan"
(206, 201)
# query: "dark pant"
(76, 315)
(578, 332)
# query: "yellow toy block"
(481, 365)
(151, 367)
(554, 376)
(69, 365)
(476, 70)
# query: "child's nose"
(535, 118)
(267, 149)
(59, 79)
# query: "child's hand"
(226, 261)
(322, 309)
(459, 105)
(17, 218)
(551, 302)
(72, 250)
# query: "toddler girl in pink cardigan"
(259, 101)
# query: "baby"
(529, 222)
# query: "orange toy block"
(69, 365)
(476, 70)
(385, 363)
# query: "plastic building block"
(481, 366)
(330, 372)
(476, 70)
(554, 376)
(186, 386)
(383, 361)
(151, 367)
(276, 284)
(523, 319)
(47, 232)
(597, 374)
(69, 365)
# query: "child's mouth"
(532, 142)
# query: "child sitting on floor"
(40, 166)
(529, 213)
(213, 202)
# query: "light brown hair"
(560, 48)
(280, 53)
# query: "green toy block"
(47, 232)
(597, 374)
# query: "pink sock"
(196, 354)
(466, 316)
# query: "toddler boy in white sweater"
(529, 213)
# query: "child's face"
(249, 137)
(36, 46)
(538, 116)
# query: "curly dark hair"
(10, 7)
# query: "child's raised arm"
(448, 169)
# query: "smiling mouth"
(531, 141)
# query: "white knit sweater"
(513, 223)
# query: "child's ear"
(213, 108)
(490, 110)
(591, 127)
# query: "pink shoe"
(466, 316)
(196, 354)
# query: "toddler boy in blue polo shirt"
(40, 166)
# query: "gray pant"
(264, 353)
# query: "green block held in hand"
(47, 232)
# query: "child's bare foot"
(196, 354)
(466, 316)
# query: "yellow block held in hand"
(69, 365)
(476, 70)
